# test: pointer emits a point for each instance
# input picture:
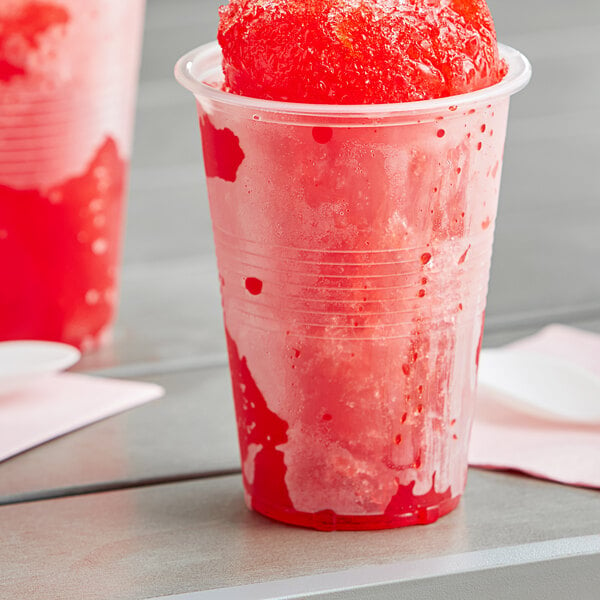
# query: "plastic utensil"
(22, 361)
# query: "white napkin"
(504, 438)
(57, 404)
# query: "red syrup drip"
(222, 152)
(28, 24)
(322, 135)
(258, 425)
(425, 508)
(268, 491)
(480, 340)
(59, 250)
(463, 257)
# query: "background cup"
(354, 246)
(68, 78)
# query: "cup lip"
(190, 73)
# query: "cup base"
(327, 520)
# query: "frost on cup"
(68, 77)
(354, 246)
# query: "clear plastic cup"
(354, 246)
(68, 79)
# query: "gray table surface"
(184, 529)
(196, 536)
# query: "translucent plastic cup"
(354, 247)
(68, 79)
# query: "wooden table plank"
(465, 576)
(188, 433)
(198, 535)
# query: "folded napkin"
(57, 404)
(505, 438)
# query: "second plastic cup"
(354, 247)
(68, 79)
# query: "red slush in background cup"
(68, 79)
(354, 247)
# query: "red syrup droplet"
(441, 133)
(425, 258)
(222, 152)
(322, 135)
(254, 285)
(462, 259)
(258, 425)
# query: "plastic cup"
(354, 246)
(68, 79)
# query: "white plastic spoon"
(541, 385)
(22, 362)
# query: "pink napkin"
(54, 405)
(504, 438)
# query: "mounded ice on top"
(358, 51)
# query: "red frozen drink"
(68, 74)
(354, 245)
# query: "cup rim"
(194, 68)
